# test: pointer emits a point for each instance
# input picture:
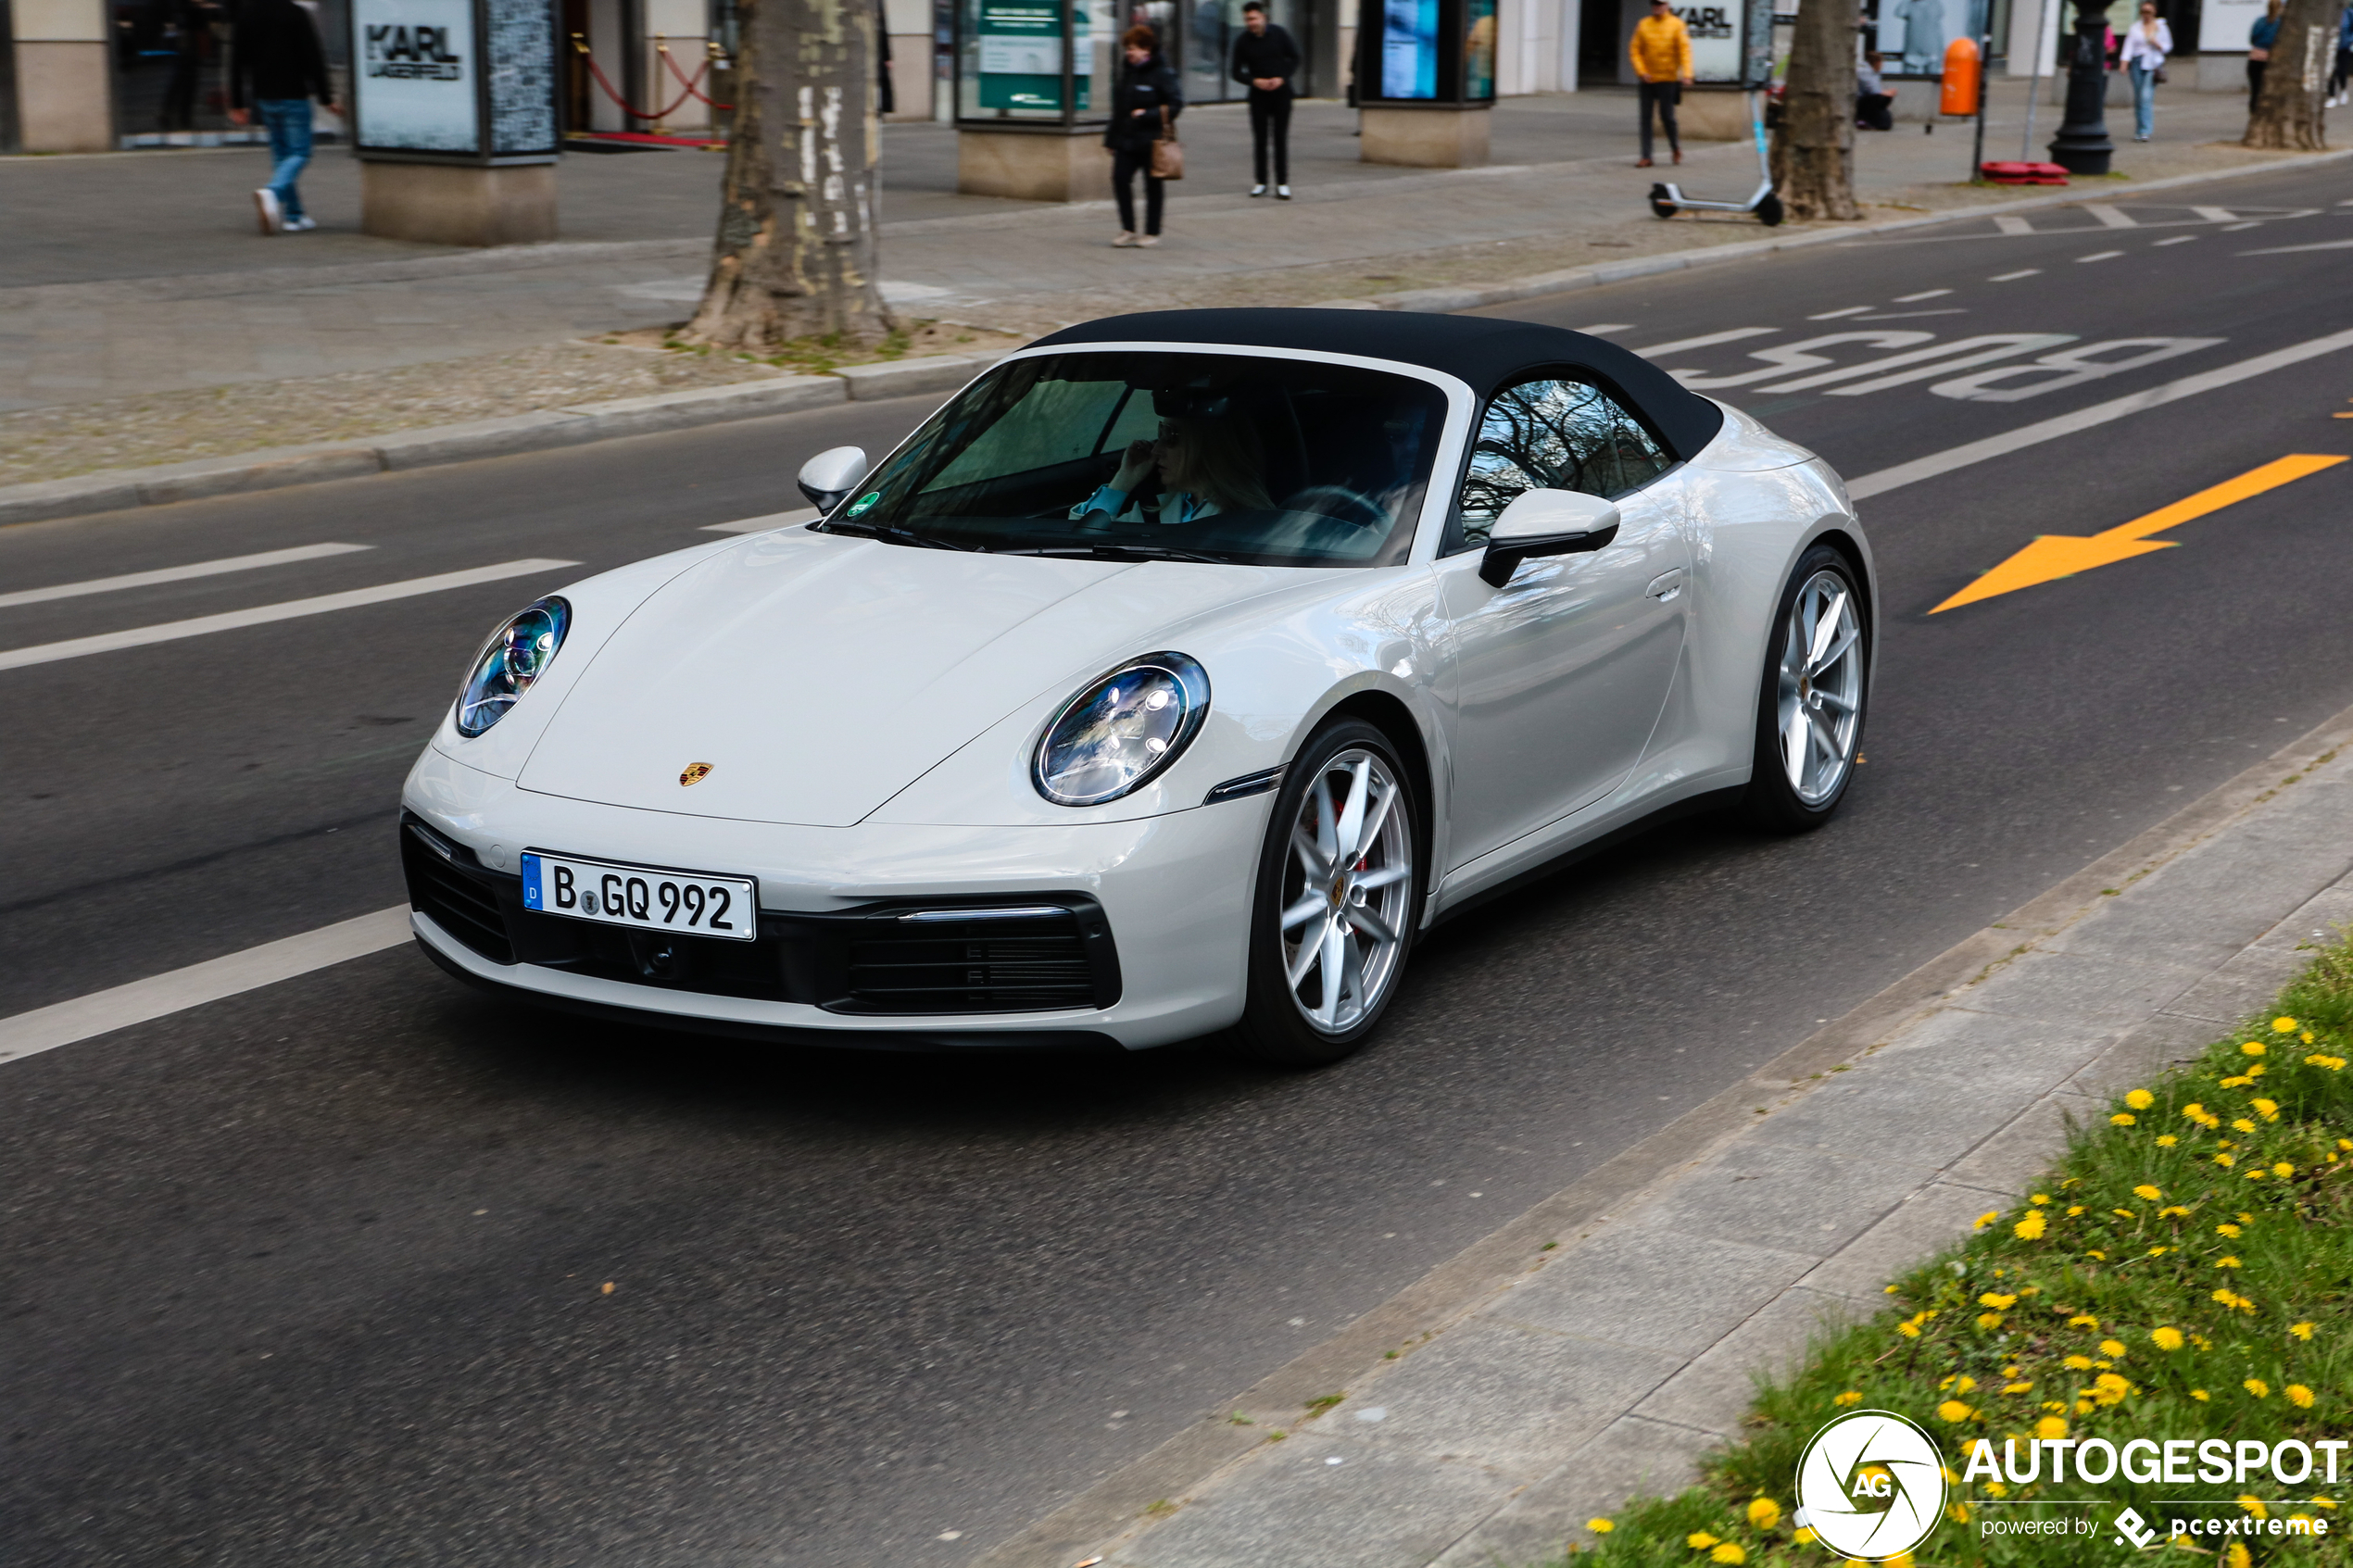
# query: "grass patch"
(2185, 1271)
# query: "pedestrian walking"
(2343, 75)
(280, 68)
(2146, 42)
(1661, 50)
(2260, 40)
(1265, 57)
(1144, 107)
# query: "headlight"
(1111, 737)
(517, 654)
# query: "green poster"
(1021, 56)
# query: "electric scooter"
(1669, 200)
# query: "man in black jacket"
(1265, 57)
(280, 67)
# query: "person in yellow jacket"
(1661, 50)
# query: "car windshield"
(1164, 455)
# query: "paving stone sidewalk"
(1616, 1360)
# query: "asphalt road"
(318, 1274)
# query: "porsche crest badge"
(696, 773)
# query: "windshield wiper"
(891, 535)
(1119, 552)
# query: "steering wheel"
(1341, 504)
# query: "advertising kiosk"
(1033, 82)
(454, 119)
(1425, 81)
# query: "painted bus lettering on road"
(1823, 363)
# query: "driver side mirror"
(832, 474)
(1545, 522)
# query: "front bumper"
(1144, 946)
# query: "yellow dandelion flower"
(2255, 1047)
(2124, 1119)
(1959, 1512)
(1699, 1540)
(1997, 1488)
(2240, 1083)
(2298, 1396)
(1600, 1526)
(2029, 1228)
(2051, 1428)
(1965, 1385)
(1727, 1552)
(2256, 1175)
(2073, 1210)
(2229, 1230)
(2258, 1387)
(2253, 1505)
(2166, 1140)
(1989, 1322)
(2227, 1263)
(2139, 1099)
(1909, 1330)
(2083, 1320)
(2225, 1161)
(2200, 1395)
(2235, 1555)
(1764, 1513)
(2301, 1330)
(1953, 1411)
(2018, 1388)
(1805, 1536)
(2040, 1198)
(2109, 1389)
(2112, 1348)
(1986, 1219)
(2283, 1026)
(2166, 1338)
(2329, 1503)
(1995, 1298)
(2160, 1251)
(2267, 1109)
(2169, 1210)
(2283, 1170)
(2146, 1193)
(1852, 1397)
(2096, 1253)
(2124, 1213)
(1901, 1560)
(2077, 1363)
(2240, 1123)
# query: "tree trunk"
(2288, 113)
(1814, 147)
(796, 253)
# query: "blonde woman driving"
(1206, 466)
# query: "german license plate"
(641, 897)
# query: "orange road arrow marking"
(2052, 555)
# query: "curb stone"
(2074, 996)
(1472, 297)
(273, 468)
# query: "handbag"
(1168, 154)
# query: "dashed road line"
(102, 1012)
(1706, 340)
(262, 615)
(2014, 276)
(1924, 293)
(2099, 255)
(1835, 315)
(177, 573)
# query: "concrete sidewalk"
(1566, 1378)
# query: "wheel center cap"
(1806, 687)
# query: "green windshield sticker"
(868, 500)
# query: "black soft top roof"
(1484, 351)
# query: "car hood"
(819, 676)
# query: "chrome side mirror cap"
(832, 474)
(1545, 522)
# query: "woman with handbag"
(2260, 40)
(2146, 42)
(1142, 134)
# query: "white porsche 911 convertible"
(1168, 680)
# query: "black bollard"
(2081, 145)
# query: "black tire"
(1274, 1030)
(1664, 209)
(1772, 802)
(1768, 211)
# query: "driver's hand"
(1135, 467)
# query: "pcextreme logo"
(1871, 1485)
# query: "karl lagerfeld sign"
(463, 81)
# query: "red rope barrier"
(626, 107)
(688, 82)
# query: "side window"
(1552, 433)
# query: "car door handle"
(1666, 585)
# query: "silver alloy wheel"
(1821, 687)
(1347, 892)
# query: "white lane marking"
(1924, 293)
(2099, 255)
(1598, 328)
(262, 615)
(1961, 456)
(2291, 250)
(2216, 214)
(1907, 315)
(2176, 240)
(159, 996)
(1703, 340)
(2110, 216)
(2014, 276)
(2234, 228)
(1835, 315)
(177, 573)
(761, 524)
(1941, 359)
(2010, 224)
